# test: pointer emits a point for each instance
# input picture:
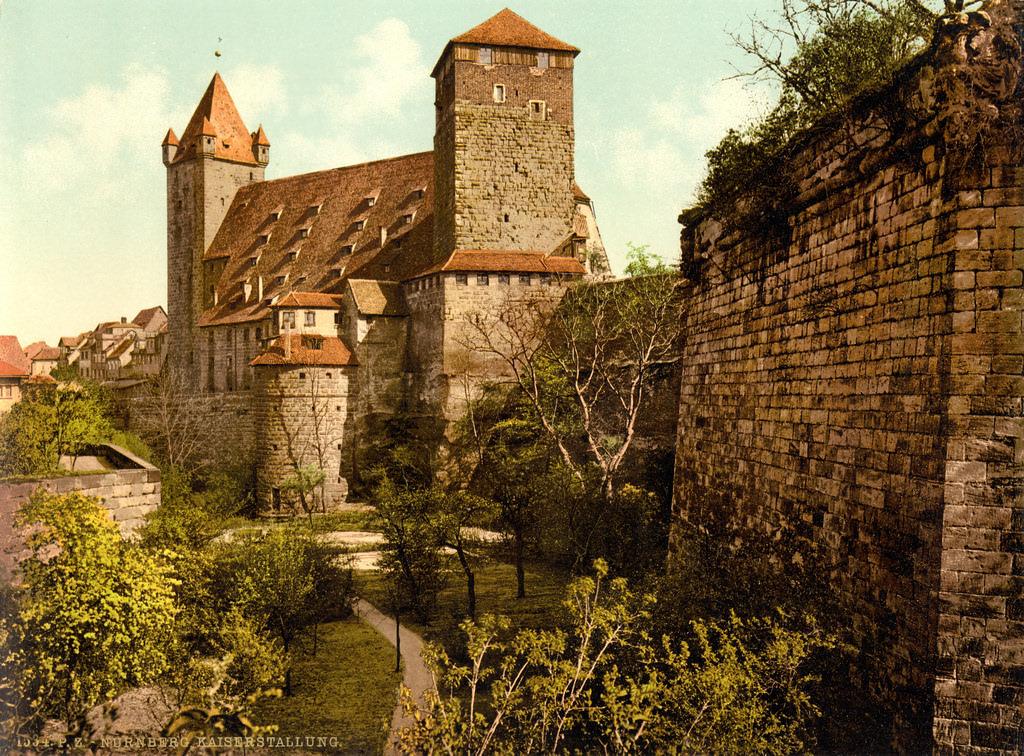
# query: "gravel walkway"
(417, 677)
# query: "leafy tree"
(303, 483)
(411, 557)
(450, 515)
(604, 686)
(27, 443)
(95, 612)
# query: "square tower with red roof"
(214, 157)
(503, 140)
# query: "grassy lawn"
(495, 594)
(348, 691)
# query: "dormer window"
(252, 262)
(263, 238)
(418, 194)
(407, 218)
(499, 93)
(280, 280)
(276, 214)
(542, 60)
(347, 249)
(360, 225)
(314, 209)
(303, 233)
(483, 56)
(293, 255)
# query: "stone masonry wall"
(129, 494)
(199, 193)
(300, 411)
(853, 376)
(513, 179)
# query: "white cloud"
(101, 134)
(392, 72)
(705, 118)
(257, 92)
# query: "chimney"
(383, 236)
(124, 319)
(288, 341)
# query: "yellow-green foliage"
(95, 611)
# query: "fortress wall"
(852, 375)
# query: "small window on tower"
(484, 56)
(542, 60)
(499, 93)
(538, 110)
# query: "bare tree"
(588, 364)
(175, 420)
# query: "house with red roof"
(15, 369)
(119, 350)
(321, 307)
(43, 358)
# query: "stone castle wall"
(853, 375)
(128, 494)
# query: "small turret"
(170, 146)
(261, 146)
(207, 144)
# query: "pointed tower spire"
(261, 146)
(216, 125)
(170, 146)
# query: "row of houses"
(113, 352)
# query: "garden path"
(417, 677)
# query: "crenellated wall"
(853, 374)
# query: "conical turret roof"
(216, 114)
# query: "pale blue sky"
(89, 89)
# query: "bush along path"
(416, 678)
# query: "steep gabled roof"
(40, 351)
(146, 317)
(378, 297)
(314, 231)
(216, 114)
(509, 29)
(12, 354)
(331, 352)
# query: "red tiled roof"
(170, 139)
(40, 351)
(121, 347)
(332, 352)
(70, 341)
(12, 354)
(216, 114)
(7, 370)
(260, 137)
(495, 261)
(323, 264)
(511, 30)
(579, 193)
(309, 299)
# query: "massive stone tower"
(503, 142)
(215, 156)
